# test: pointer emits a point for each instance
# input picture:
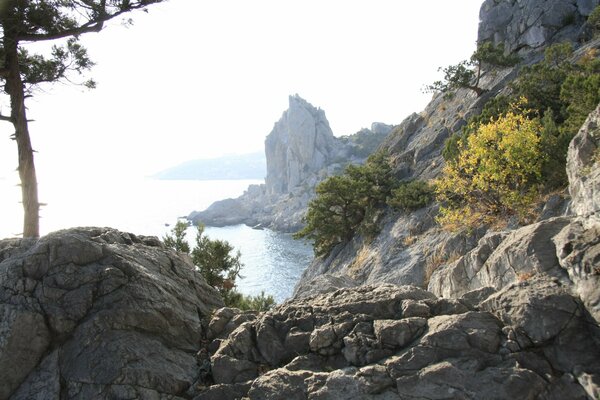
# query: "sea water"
(273, 262)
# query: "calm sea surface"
(273, 262)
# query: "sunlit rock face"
(300, 144)
(529, 25)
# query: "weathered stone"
(24, 338)
(398, 333)
(282, 384)
(222, 392)
(540, 309)
(459, 378)
(583, 169)
(226, 369)
(123, 313)
(412, 308)
(527, 26)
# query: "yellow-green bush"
(497, 172)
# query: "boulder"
(98, 313)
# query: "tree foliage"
(467, 73)
(219, 265)
(559, 92)
(410, 196)
(594, 21)
(497, 172)
(347, 203)
(23, 22)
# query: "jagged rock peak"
(525, 26)
(300, 144)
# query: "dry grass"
(524, 276)
(409, 240)
(436, 260)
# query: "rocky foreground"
(96, 313)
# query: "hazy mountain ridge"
(228, 167)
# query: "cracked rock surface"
(532, 340)
(96, 313)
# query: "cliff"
(300, 152)
(410, 246)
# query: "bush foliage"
(354, 201)
(348, 203)
(497, 172)
(218, 264)
(410, 196)
(558, 92)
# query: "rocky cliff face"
(301, 151)
(411, 246)
(527, 26)
(99, 314)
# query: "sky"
(203, 78)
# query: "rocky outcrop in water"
(93, 313)
(301, 151)
(301, 144)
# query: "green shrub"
(346, 203)
(218, 264)
(594, 20)
(467, 73)
(258, 303)
(411, 196)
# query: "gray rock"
(583, 169)
(578, 251)
(474, 297)
(226, 320)
(398, 333)
(459, 379)
(501, 259)
(284, 384)
(121, 315)
(220, 392)
(527, 26)
(301, 143)
(226, 369)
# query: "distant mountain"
(240, 166)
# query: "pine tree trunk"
(16, 91)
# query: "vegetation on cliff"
(504, 174)
(467, 73)
(497, 172)
(352, 202)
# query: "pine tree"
(24, 22)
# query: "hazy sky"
(198, 78)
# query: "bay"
(273, 262)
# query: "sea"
(273, 262)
